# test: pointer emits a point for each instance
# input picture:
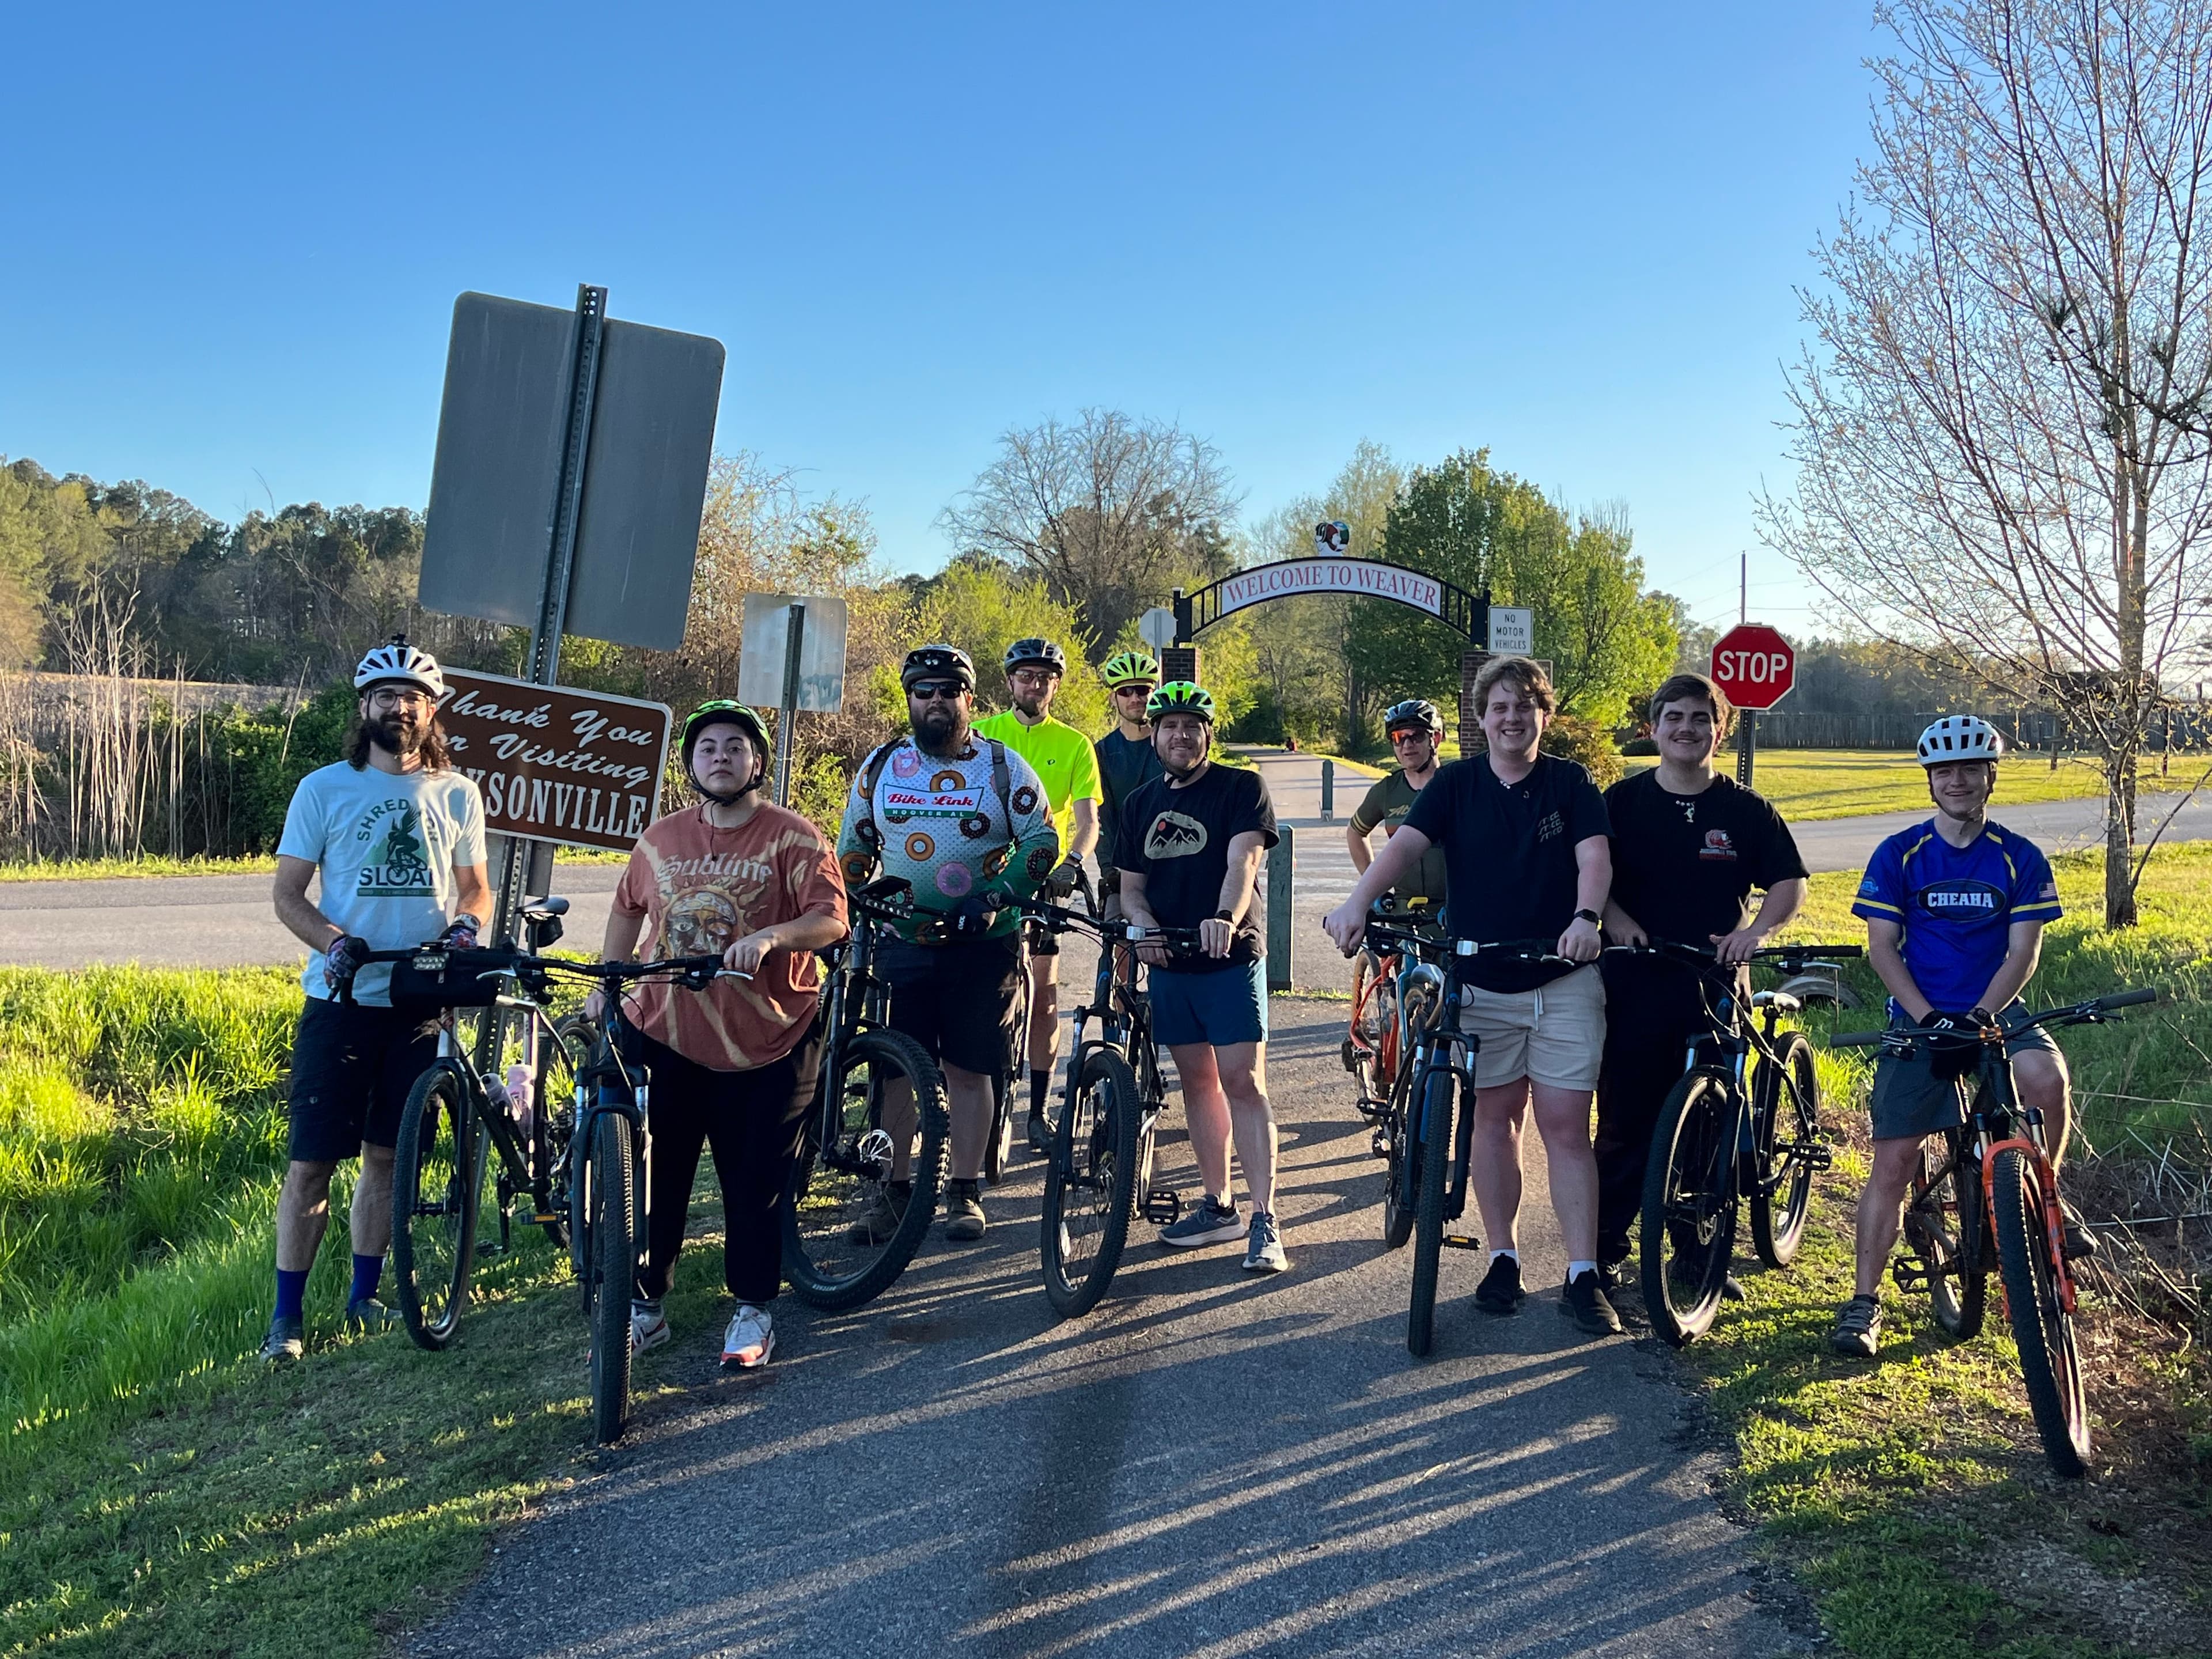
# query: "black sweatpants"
(754, 1120)
(1651, 1013)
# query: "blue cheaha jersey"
(1956, 905)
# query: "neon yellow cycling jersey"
(1060, 755)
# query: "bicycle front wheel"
(1689, 1207)
(853, 1222)
(605, 1200)
(1787, 1097)
(436, 1185)
(1402, 1167)
(1090, 1187)
(1429, 1218)
(1943, 1228)
(2042, 1329)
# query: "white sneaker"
(647, 1328)
(750, 1339)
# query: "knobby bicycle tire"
(1688, 1223)
(837, 1281)
(1429, 1221)
(611, 1249)
(1944, 1227)
(437, 1185)
(1402, 1167)
(556, 1102)
(1090, 1187)
(2042, 1329)
(1787, 1099)
(1005, 1086)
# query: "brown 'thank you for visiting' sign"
(554, 764)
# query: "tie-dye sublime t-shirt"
(938, 822)
(701, 890)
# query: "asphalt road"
(226, 920)
(1213, 1463)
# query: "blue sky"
(1568, 232)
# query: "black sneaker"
(286, 1341)
(1858, 1328)
(1500, 1291)
(1584, 1297)
(366, 1317)
(1040, 1132)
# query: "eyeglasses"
(1133, 691)
(1032, 676)
(935, 692)
(390, 697)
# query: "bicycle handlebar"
(694, 971)
(1903, 1039)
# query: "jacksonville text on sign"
(554, 764)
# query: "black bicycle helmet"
(1043, 653)
(1180, 697)
(1416, 712)
(937, 662)
(725, 711)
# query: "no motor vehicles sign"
(1754, 665)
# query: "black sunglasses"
(934, 690)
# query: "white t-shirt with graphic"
(386, 844)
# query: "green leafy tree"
(982, 607)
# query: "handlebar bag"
(433, 977)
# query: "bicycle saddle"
(543, 909)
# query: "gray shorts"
(1910, 1101)
(1554, 1034)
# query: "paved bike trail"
(1213, 1463)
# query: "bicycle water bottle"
(519, 1092)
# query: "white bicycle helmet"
(1961, 738)
(399, 660)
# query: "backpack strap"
(1002, 780)
(871, 772)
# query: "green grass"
(1842, 783)
(160, 1492)
(1909, 1499)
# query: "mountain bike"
(1439, 1134)
(1407, 1003)
(1993, 1181)
(1099, 1177)
(438, 1165)
(1744, 1123)
(1373, 1045)
(873, 1160)
(1005, 1082)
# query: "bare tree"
(2001, 439)
(1111, 512)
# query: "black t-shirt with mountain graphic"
(1178, 839)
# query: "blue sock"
(291, 1293)
(367, 1273)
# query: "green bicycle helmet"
(725, 711)
(1128, 667)
(1180, 697)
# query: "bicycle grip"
(2128, 998)
(1856, 1039)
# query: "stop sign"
(1754, 665)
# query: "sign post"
(792, 656)
(1755, 668)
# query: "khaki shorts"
(1554, 1034)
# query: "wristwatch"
(1591, 917)
(1223, 915)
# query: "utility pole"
(1744, 588)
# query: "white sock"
(1515, 1254)
(1576, 1269)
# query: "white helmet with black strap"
(397, 661)
(1961, 738)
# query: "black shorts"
(352, 1067)
(956, 999)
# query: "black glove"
(1958, 1049)
(342, 959)
(1060, 885)
(970, 919)
(460, 934)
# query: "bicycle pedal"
(1909, 1274)
(545, 1218)
(1163, 1207)
(1817, 1157)
(1381, 1145)
(1461, 1242)
(1351, 1054)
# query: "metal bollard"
(1280, 897)
(1328, 790)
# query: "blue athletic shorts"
(1227, 1005)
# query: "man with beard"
(1689, 848)
(397, 836)
(1189, 845)
(962, 819)
(733, 1065)
(1063, 760)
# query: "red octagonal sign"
(1754, 665)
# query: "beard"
(938, 728)
(398, 734)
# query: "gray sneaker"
(1264, 1253)
(286, 1341)
(963, 1211)
(1208, 1224)
(366, 1317)
(881, 1217)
